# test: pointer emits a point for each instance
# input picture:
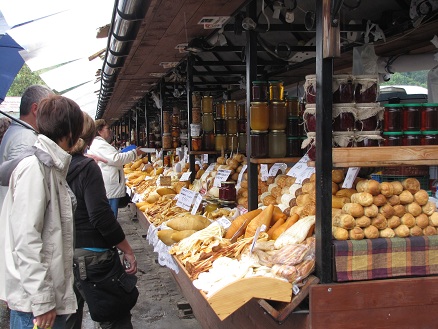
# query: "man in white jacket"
(112, 170)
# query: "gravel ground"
(157, 306)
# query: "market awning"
(10, 63)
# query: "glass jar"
(367, 138)
(293, 146)
(241, 125)
(167, 141)
(310, 89)
(230, 109)
(196, 115)
(232, 142)
(277, 116)
(429, 116)
(175, 119)
(392, 117)
(365, 89)
(292, 107)
(195, 129)
(196, 143)
(227, 191)
(277, 143)
(231, 125)
(167, 117)
(259, 143)
(241, 143)
(309, 118)
(241, 111)
(219, 126)
(343, 89)
(259, 91)
(175, 142)
(175, 131)
(369, 116)
(207, 122)
(207, 104)
(208, 141)
(292, 126)
(344, 117)
(429, 137)
(220, 142)
(411, 117)
(392, 138)
(411, 138)
(220, 110)
(276, 90)
(259, 118)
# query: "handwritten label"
(240, 177)
(198, 200)
(221, 176)
(224, 222)
(301, 165)
(306, 173)
(185, 176)
(242, 209)
(204, 158)
(264, 172)
(350, 177)
(275, 168)
(186, 198)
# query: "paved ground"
(157, 306)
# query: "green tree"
(24, 79)
(417, 78)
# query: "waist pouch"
(108, 290)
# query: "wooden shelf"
(385, 156)
(204, 152)
(274, 160)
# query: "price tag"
(128, 190)
(204, 158)
(240, 177)
(198, 200)
(136, 198)
(221, 176)
(242, 209)
(275, 168)
(147, 149)
(185, 176)
(256, 236)
(350, 177)
(299, 166)
(306, 173)
(264, 172)
(185, 198)
(224, 222)
(207, 171)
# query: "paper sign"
(350, 177)
(136, 198)
(224, 222)
(198, 200)
(240, 177)
(299, 166)
(204, 158)
(221, 176)
(128, 190)
(185, 176)
(186, 198)
(275, 168)
(264, 172)
(148, 149)
(306, 173)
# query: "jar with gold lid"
(259, 118)
(277, 116)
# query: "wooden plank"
(275, 160)
(393, 303)
(143, 220)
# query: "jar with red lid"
(208, 141)
(310, 89)
(293, 146)
(241, 125)
(392, 138)
(365, 88)
(259, 143)
(344, 117)
(429, 137)
(429, 116)
(259, 91)
(277, 116)
(343, 89)
(393, 117)
(227, 191)
(411, 138)
(293, 126)
(412, 117)
(219, 126)
(309, 118)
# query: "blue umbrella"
(10, 63)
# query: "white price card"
(306, 173)
(299, 166)
(261, 228)
(264, 172)
(186, 198)
(207, 171)
(240, 177)
(275, 168)
(147, 149)
(350, 177)
(204, 158)
(185, 176)
(224, 222)
(198, 200)
(129, 191)
(136, 198)
(221, 176)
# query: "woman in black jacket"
(97, 233)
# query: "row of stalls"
(182, 68)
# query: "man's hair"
(100, 124)
(33, 94)
(87, 136)
(59, 117)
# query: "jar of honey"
(167, 141)
(219, 126)
(259, 91)
(277, 116)
(259, 118)
(241, 125)
(207, 122)
(277, 143)
(207, 104)
(293, 146)
(231, 125)
(293, 126)
(196, 143)
(292, 107)
(220, 142)
(241, 143)
(196, 115)
(220, 110)
(175, 131)
(208, 141)
(241, 111)
(259, 143)
(175, 142)
(276, 90)
(230, 109)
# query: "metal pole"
(189, 86)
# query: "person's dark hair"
(100, 124)
(59, 117)
(33, 94)
(87, 136)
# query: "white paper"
(186, 198)
(350, 177)
(275, 168)
(264, 172)
(185, 176)
(224, 222)
(301, 165)
(221, 176)
(148, 149)
(204, 158)
(240, 177)
(198, 200)
(306, 173)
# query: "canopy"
(10, 63)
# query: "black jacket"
(95, 224)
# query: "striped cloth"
(381, 258)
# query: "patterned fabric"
(381, 258)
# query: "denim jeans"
(114, 203)
(24, 320)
